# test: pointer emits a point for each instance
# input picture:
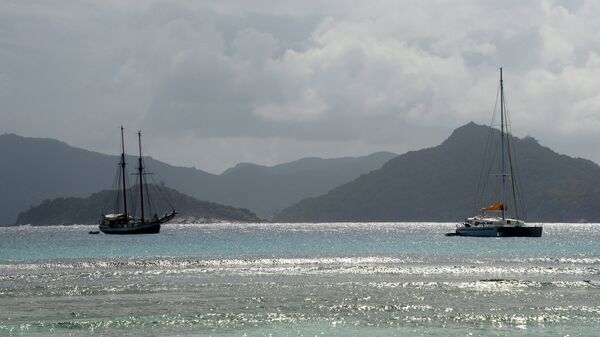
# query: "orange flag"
(497, 207)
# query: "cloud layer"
(214, 83)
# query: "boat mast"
(502, 187)
(510, 167)
(123, 173)
(141, 172)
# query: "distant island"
(439, 183)
(69, 211)
(42, 168)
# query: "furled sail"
(497, 207)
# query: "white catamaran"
(495, 220)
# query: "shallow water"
(373, 279)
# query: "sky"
(215, 83)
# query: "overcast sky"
(215, 83)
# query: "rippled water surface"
(392, 279)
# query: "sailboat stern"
(520, 231)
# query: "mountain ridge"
(45, 168)
(438, 184)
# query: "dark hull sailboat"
(124, 223)
(494, 220)
(115, 224)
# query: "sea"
(314, 279)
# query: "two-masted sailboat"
(125, 223)
(495, 220)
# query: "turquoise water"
(372, 279)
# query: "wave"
(359, 265)
(334, 318)
(191, 262)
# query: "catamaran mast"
(141, 172)
(123, 173)
(510, 164)
(502, 187)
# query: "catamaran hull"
(480, 232)
(532, 232)
(504, 231)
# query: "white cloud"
(306, 74)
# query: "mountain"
(440, 183)
(67, 211)
(267, 190)
(36, 169)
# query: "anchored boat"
(123, 222)
(495, 220)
